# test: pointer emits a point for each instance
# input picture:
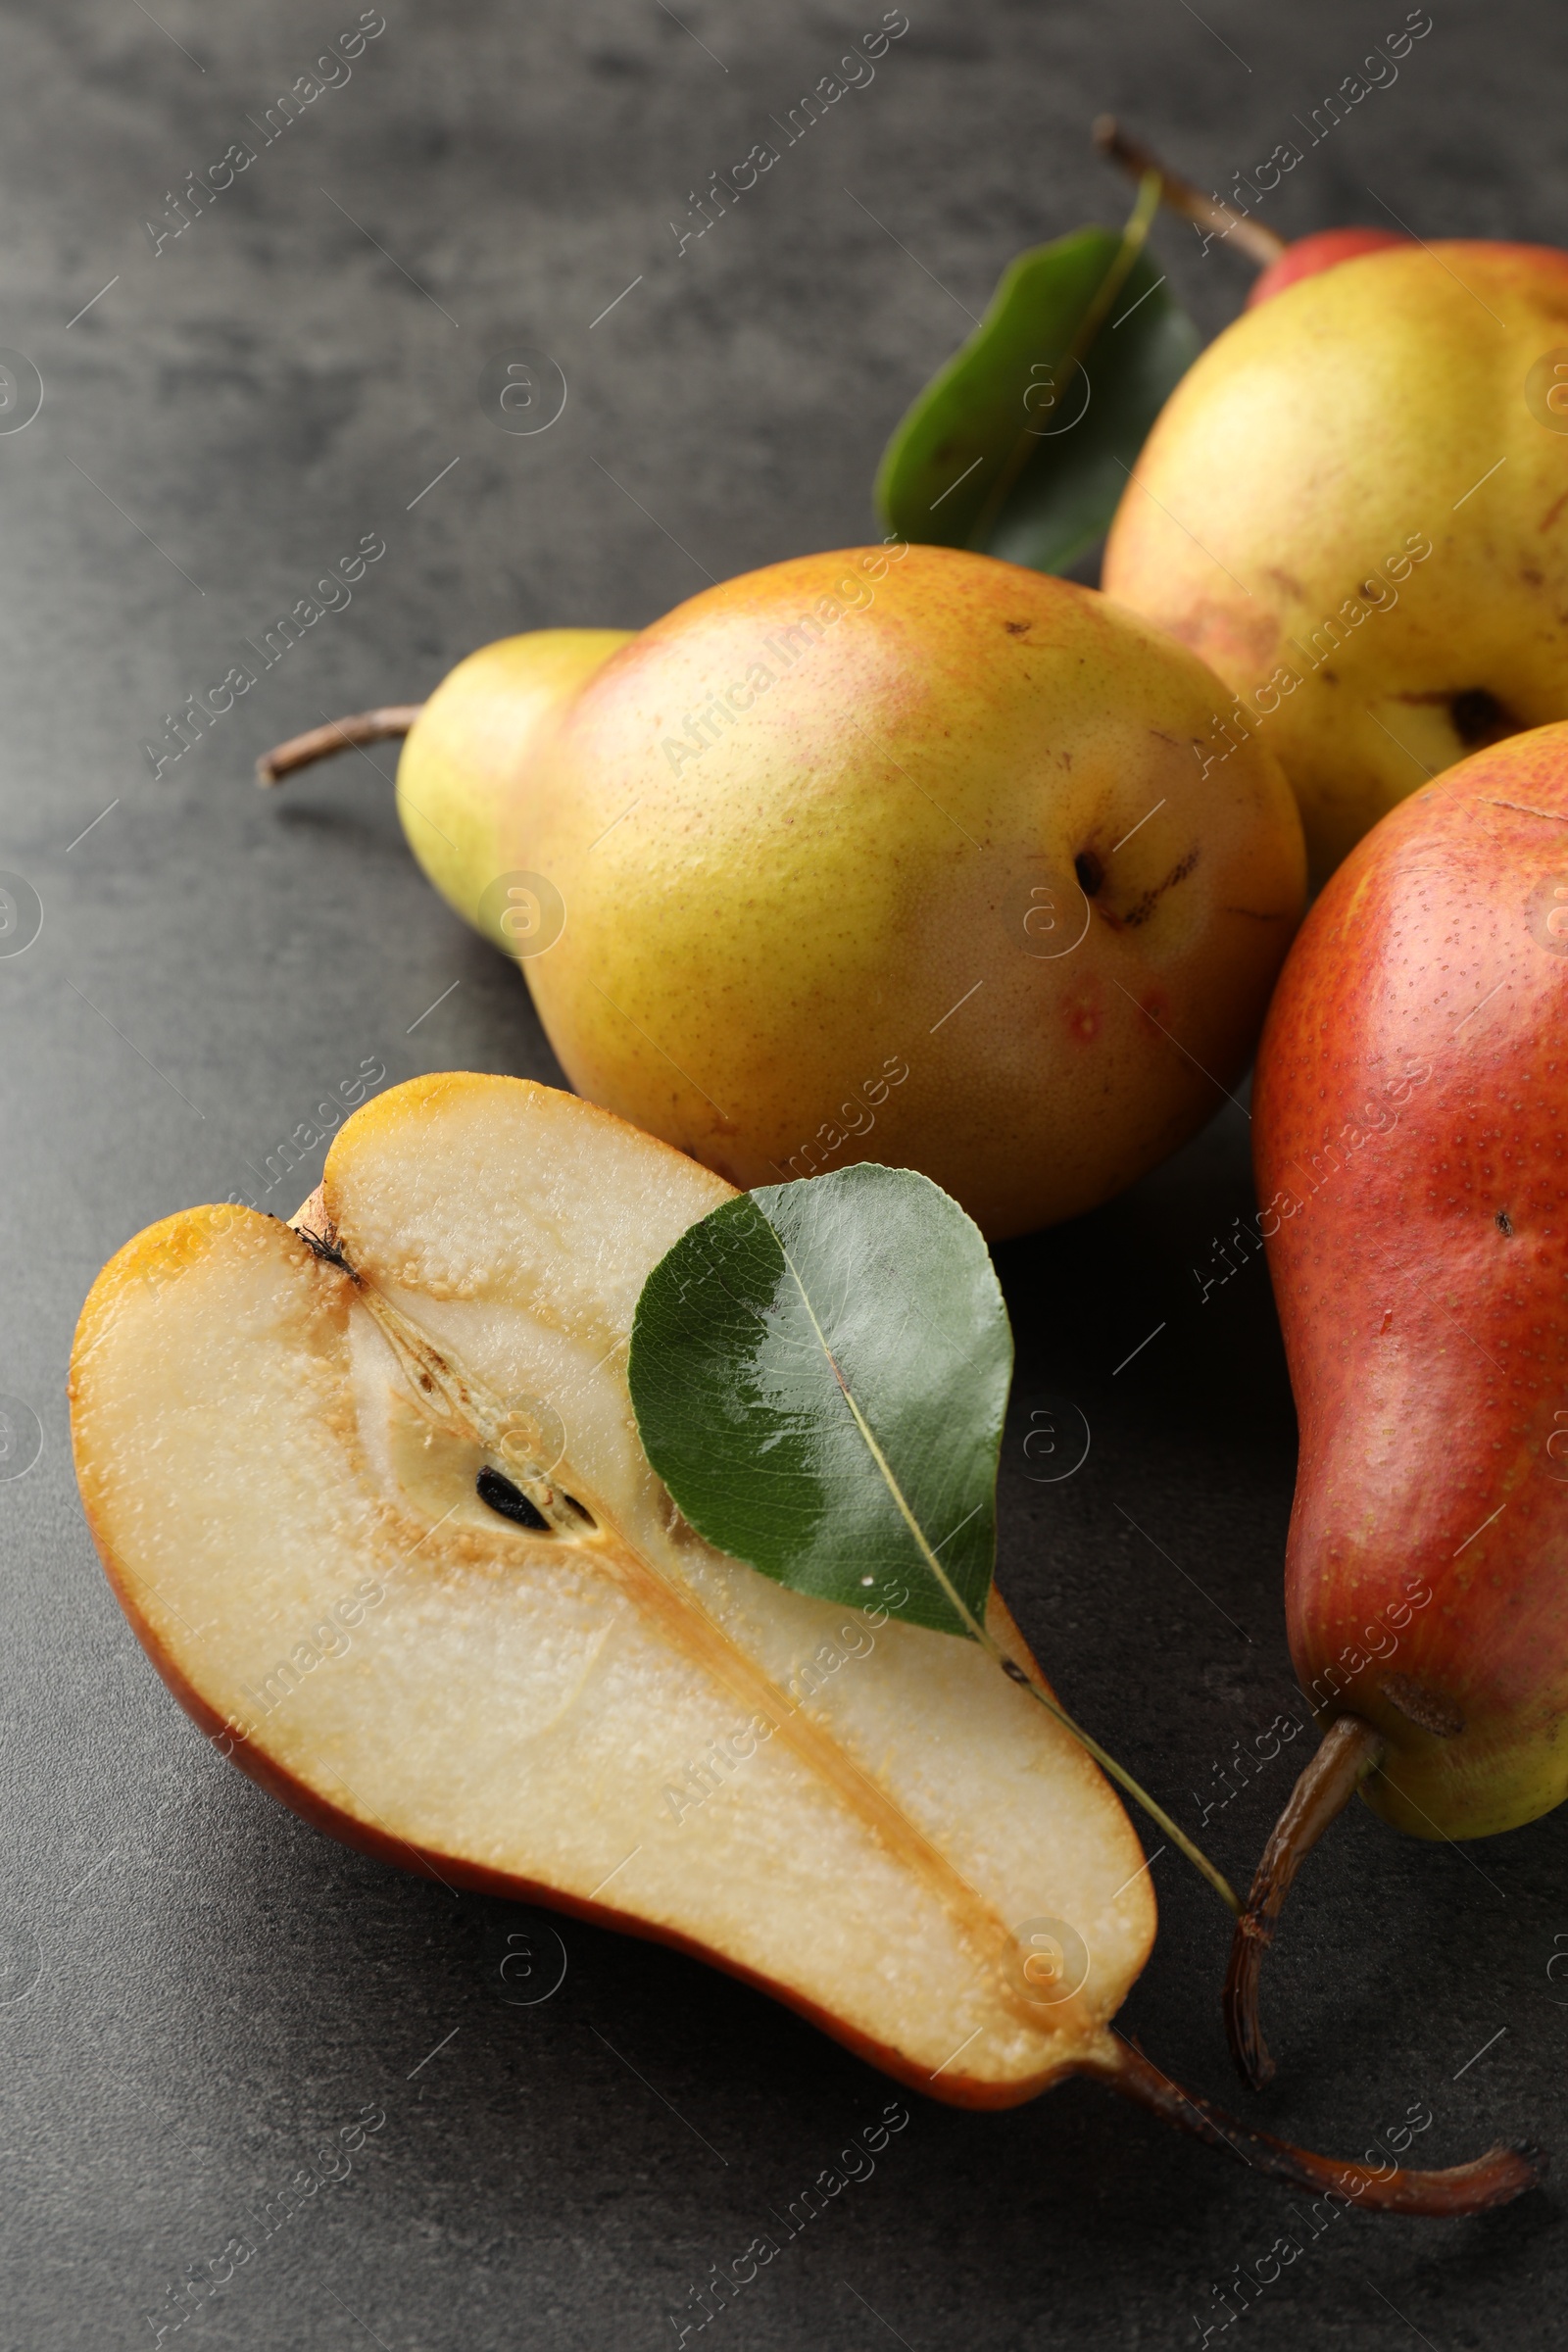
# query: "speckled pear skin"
(1410, 1125)
(1352, 507)
(909, 855)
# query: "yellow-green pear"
(1353, 509)
(907, 855)
(900, 854)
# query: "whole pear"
(1410, 1125)
(1281, 263)
(1349, 508)
(906, 854)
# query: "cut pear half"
(369, 1489)
(285, 1465)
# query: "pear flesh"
(281, 1461)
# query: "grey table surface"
(195, 1989)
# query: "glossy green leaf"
(1022, 445)
(820, 1373)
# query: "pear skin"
(1323, 249)
(1348, 507)
(1412, 1172)
(908, 854)
(472, 752)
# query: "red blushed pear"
(1410, 1125)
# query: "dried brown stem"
(338, 735)
(1182, 197)
(1495, 2179)
(1350, 1749)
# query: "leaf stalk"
(988, 1642)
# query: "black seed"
(1090, 872)
(510, 1500)
(1016, 1673)
(582, 1510)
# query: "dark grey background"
(217, 1987)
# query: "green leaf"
(820, 1373)
(1022, 445)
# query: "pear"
(1408, 1122)
(904, 855)
(369, 1489)
(1348, 507)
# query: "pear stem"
(1350, 1749)
(1495, 2179)
(1178, 194)
(338, 735)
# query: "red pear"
(1410, 1125)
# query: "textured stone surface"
(216, 1989)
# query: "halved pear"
(263, 1438)
(369, 1489)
